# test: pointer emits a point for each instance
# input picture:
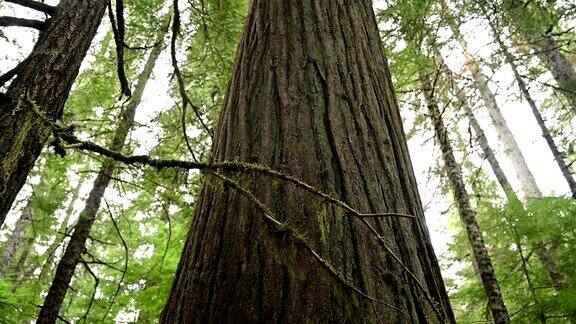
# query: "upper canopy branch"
(47, 9)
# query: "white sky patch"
(144, 251)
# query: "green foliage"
(512, 234)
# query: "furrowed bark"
(77, 244)
(467, 215)
(310, 96)
(40, 91)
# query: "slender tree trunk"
(498, 172)
(526, 273)
(14, 241)
(467, 214)
(40, 90)
(512, 149)
(544, 254)
(545, 131)
(560, 67)
(19, 267)
(311, 96)
(73, 253)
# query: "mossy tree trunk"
(77, 244)
(310, 96)
(40, 90)
(481, 256)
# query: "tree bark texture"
(77, 244)
(40, 90)
(310, 96)
(467, 215)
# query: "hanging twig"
(181, 85)
(96, 283)
(118, 29)
(126, 257)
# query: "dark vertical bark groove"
(77, 244)
(41, 88)
(467, 215)
(310, 96)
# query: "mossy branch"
(244, 167)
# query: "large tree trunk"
(311, 96)
(40, 90)
(537, 115)
(73, 253)
(467, 215)
(14, 241)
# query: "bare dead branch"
(12, 73)
(6, 21)
(39, 6)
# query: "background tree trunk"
(15, 240)
(511, 147)
(560, 67)
(311, 96)
(40, 91)
(481, 257)
(75, 248)
(558, 157)
(63, 230)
